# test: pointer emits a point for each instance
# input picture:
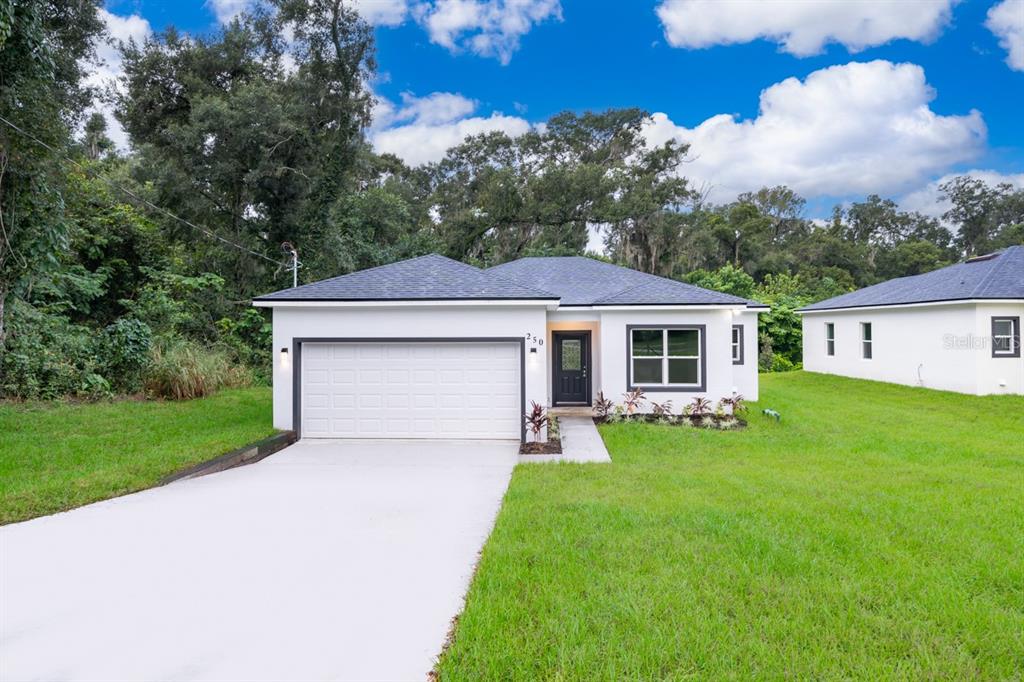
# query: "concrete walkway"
(580, 443)
(327, 561)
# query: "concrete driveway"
(330, 560)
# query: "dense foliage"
(132, 270)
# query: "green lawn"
(877, 532)
(54, 457)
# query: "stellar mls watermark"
(966, 342)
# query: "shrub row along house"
(957, 328)
(434, 348)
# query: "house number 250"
(536, 339)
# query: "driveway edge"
(247, 454)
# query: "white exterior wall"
(917, 346)
(438, 321)
(998, 375)
(718, 349)
(744, 377)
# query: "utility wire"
(135, 196)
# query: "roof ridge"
(505, 280)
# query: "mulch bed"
(553, 446)
(727, 423)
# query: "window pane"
(1003, 344)
(1003, 327)
(683, 371)
(867, 350)
(571, 357)
(866, 331)
(647, 371)
(647, 342)
(831, 345)
(830, 331)
(683, 342)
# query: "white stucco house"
(434, 348)
(956, 329)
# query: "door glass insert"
(572, 355)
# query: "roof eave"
(936, 302)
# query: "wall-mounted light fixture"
(533, 349)
(284, 357)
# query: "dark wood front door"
(571, 359)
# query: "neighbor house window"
(737, 344)
(865, 340)
(666, 358)
(1006, 337)
(830, 338)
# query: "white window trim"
(737, 344)
(665, 357)
(830, 341)
(866, 343)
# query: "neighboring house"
(957, 328)
(434, 348)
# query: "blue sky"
(889, 96)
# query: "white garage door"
(411, 390)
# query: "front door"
(571, 359)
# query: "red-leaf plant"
(633, 400)
(536, 419)
(662, 409)
(737, 403)
(700, 407)
(602, 406)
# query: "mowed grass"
(877, 532)
(58, 456)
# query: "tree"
(43, 47)
(95, 143)
(253, 136)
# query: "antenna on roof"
(290, 249)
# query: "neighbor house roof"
(997, 276)
(581, 281)
(427, 278)
(577, 281)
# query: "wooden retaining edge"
(247, 454)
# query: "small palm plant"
(737, 403)
(662, 410)
(700, 407)
(602, 406)
(536, 419)
(633, 400)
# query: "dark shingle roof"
(581, 281)
(996, 276)
(427, 278)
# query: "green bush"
(127, 343)
(182, 370)
(45, 356)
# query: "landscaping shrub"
(127, 343)
(181, 370)
(47, 357)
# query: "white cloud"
(374, 12)
(851, 129)
(489, 28)
(927, 200)
(422, 129)
(104, 72)
(802, 27)
(1006, 21)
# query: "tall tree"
(44, 47)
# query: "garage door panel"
(410, 390)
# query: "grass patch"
(58, 456)
(876, 532)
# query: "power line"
(135, 196)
